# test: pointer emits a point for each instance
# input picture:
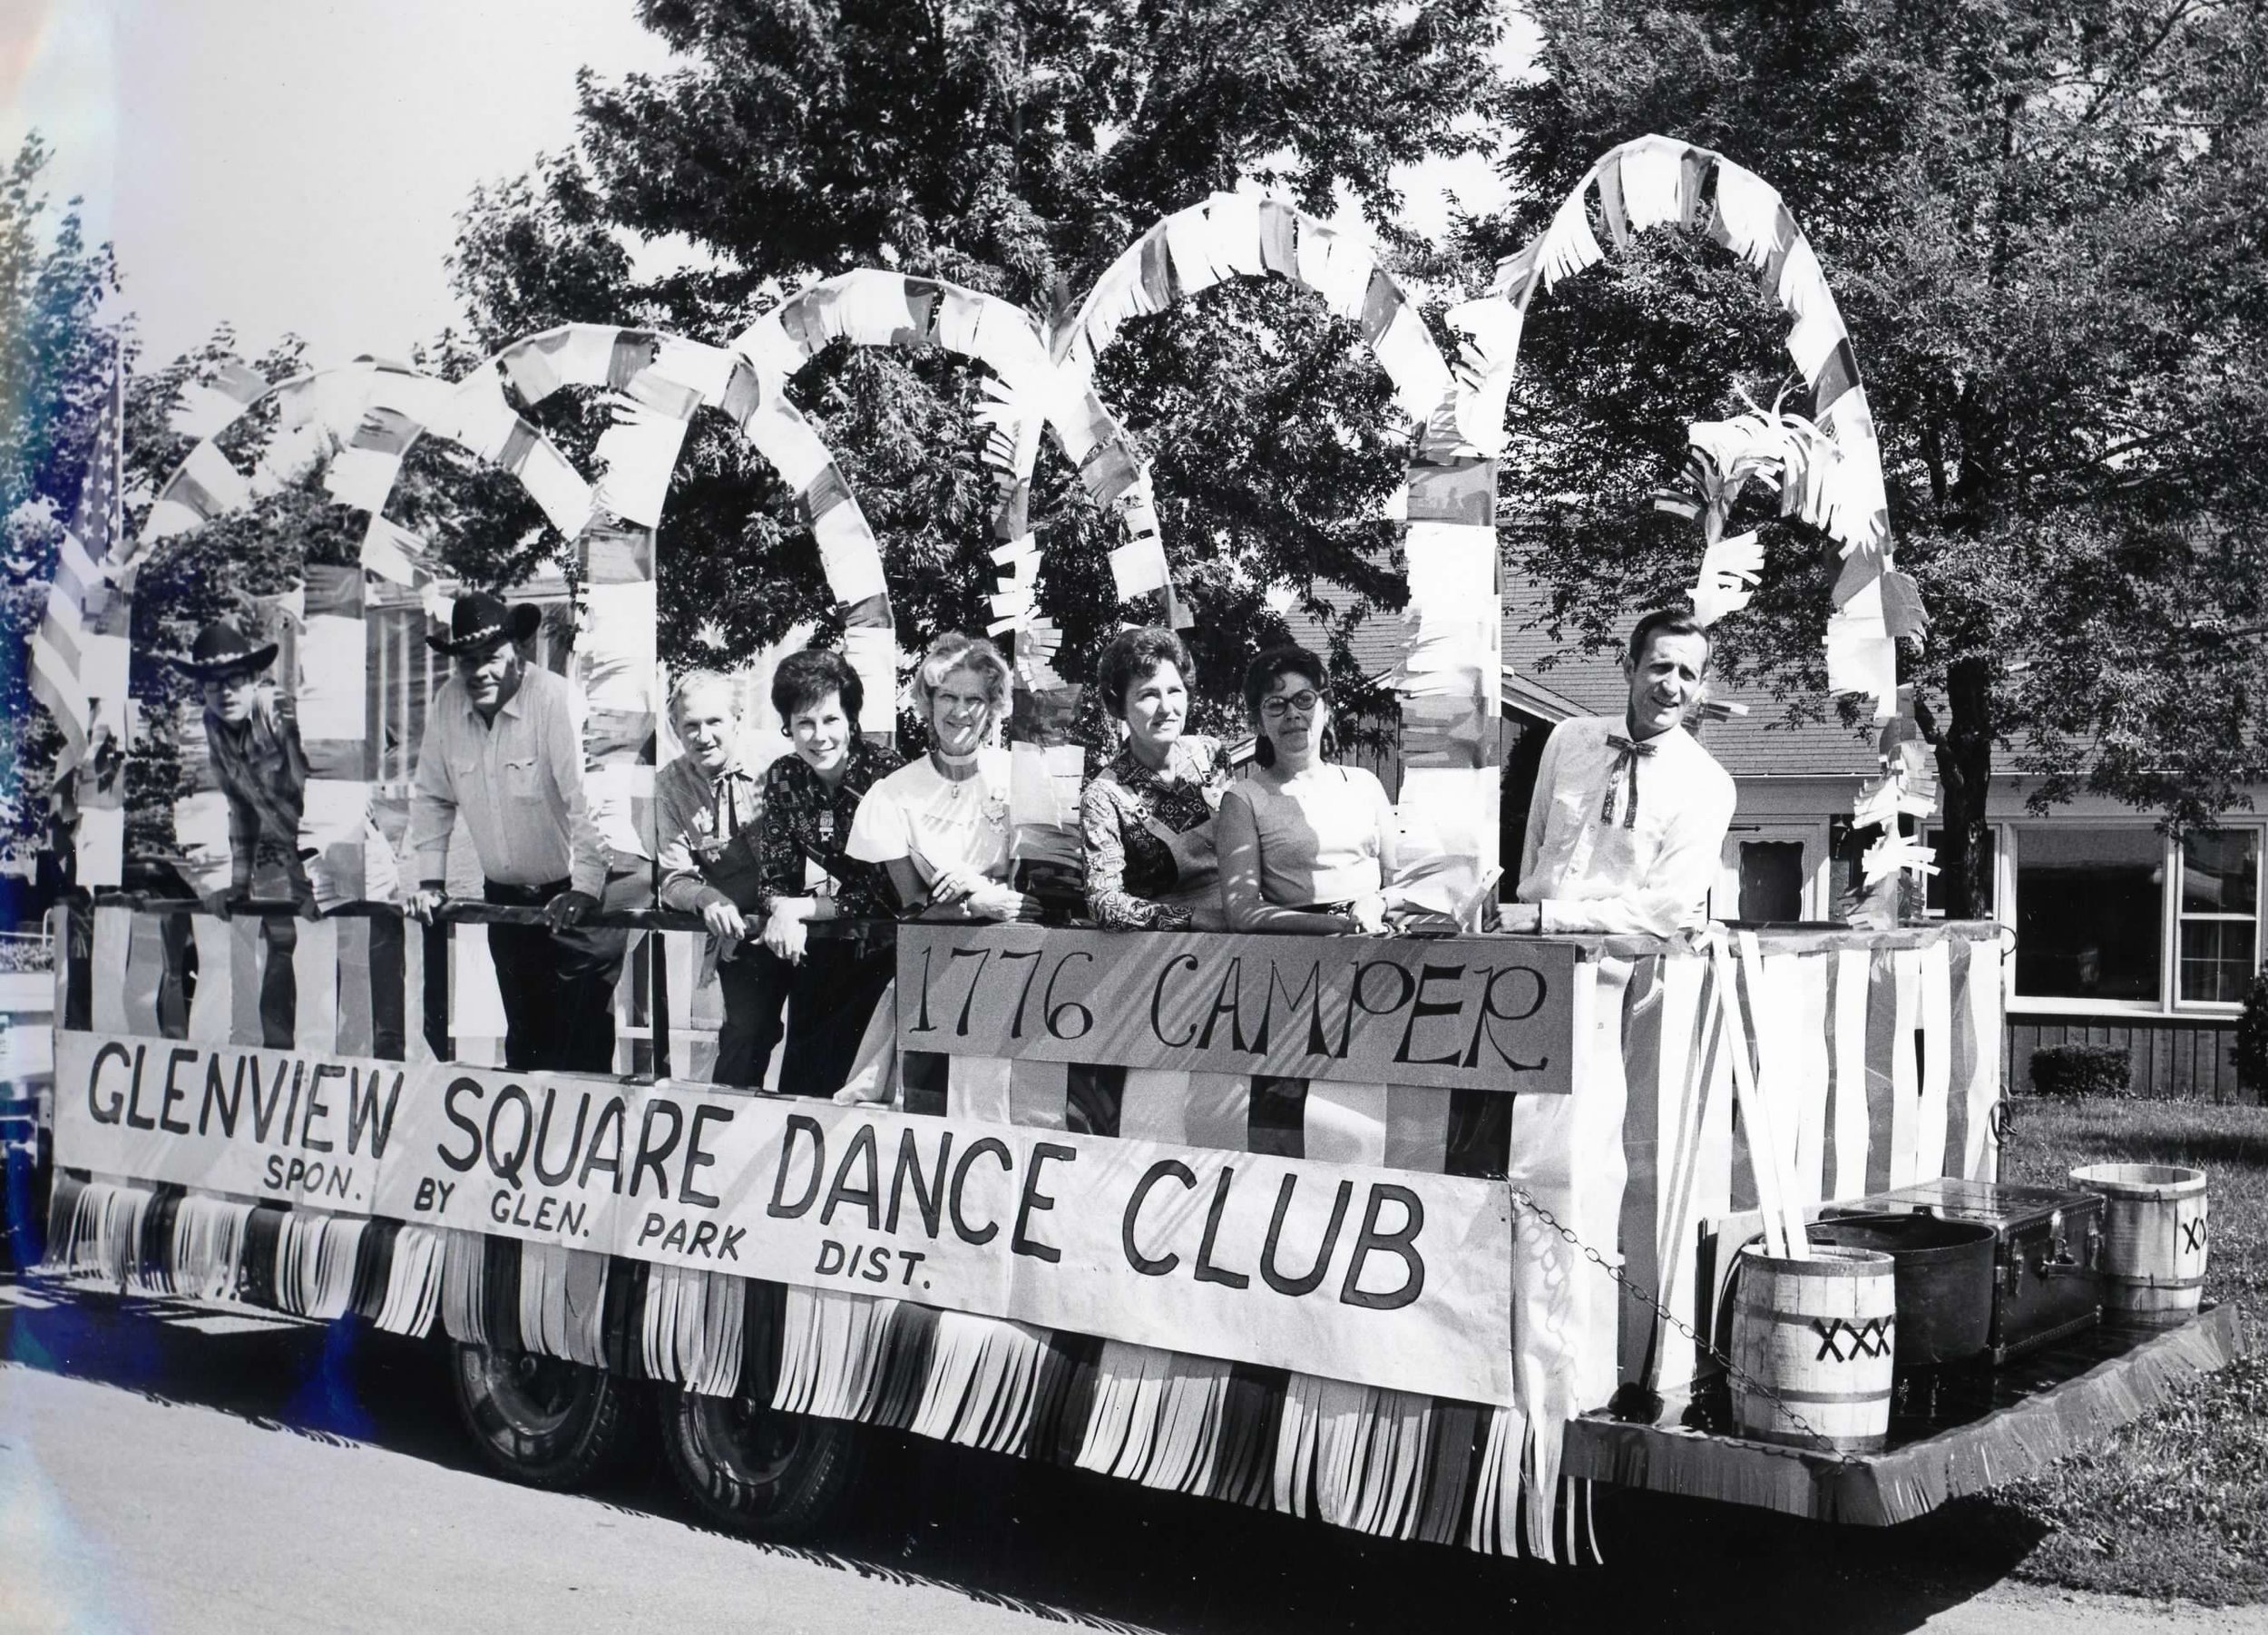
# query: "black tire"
(756, 1470)
(538, 1420)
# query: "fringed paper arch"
(1026, 395)
(359, 421)
(871, 308)
(1449, 679)
(1827, 461)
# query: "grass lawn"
(2175, 1504)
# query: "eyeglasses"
(1303, 701)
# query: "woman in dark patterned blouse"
(809, 800)
(1149, 815)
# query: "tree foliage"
(56, 354)
(1015, 146)
(2042, 224)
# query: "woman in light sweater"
(1306, 845)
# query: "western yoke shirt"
(698, 818)
(518, 784)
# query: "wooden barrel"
(2154, 1241)
(1819, 1335)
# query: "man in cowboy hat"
(262, 771)
(1629, 816)
(502, 750)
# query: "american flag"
(80, 651)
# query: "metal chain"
(1733, 1371)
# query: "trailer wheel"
(539, 1420)
(755, 1469)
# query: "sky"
(297, 165)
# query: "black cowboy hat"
(222, 649)
(480, 620)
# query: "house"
(2122, 934)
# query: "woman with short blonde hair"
(939, 825)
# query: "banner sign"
(1458, 1012)
(1388, 1277)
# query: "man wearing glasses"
(502, 750)
(1629, 816)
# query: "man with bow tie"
(1629, 816)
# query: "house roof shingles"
(1765, 743)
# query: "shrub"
(2252, 1039)
(2081, 1070)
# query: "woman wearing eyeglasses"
(1306, 845)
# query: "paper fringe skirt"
(1390, 1464)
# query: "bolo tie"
(1627, 754)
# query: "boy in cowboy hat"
(1628, 816)
(258, 762)
(502, 750)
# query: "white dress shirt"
(1589, 864)
(518, 784)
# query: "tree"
(2042, 224)
(57, 351)
(1014, 146)
(55, 357)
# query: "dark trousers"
(831, 997)
(754, 998)
(558, 987)
(278, 877)
(280, 983)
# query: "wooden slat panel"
(2175, 1057)
(2023, 1039)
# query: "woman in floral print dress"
(1148, 817)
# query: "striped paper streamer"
(1910, 1032)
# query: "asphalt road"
(168, 1467)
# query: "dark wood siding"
(2173, 1059)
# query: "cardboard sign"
(1387, 1277)
(1461, 1012)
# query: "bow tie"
(1627, 754)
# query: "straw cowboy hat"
(481, 620)
(222, 649)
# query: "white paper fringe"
(563, 1302)
(463, 1281)
(207, 1248)
(315, 1263)
(693, 1329)
(98, 1237)
(981, 1383)
(413, 1283)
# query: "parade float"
(1421, 1236)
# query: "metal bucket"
(1944, 1280)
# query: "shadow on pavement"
(1069, 1545)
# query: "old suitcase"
(2045, 1283)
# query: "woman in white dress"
(939, 825)
(1306, 845)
